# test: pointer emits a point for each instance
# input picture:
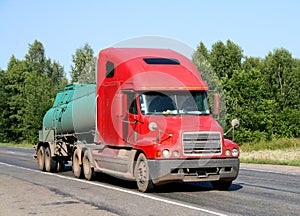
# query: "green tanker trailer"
(70, 120)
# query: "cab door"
(132, 120)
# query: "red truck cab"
(153, 119)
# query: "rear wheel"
(87, 167)
(41, 158)
(142, 174)
(50, 163)
(221, 184)
(76, 167)
(60, 165)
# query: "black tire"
(88, 171)
(60, 165)
(76, 167)
(142, 174)
(221, 185)
(50, 163)
(41, 158)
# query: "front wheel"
(142, 174)
(221, 184)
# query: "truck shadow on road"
(191, 187)
(165, 188)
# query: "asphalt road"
(24, 190)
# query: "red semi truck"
(146, 119)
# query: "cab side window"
(132, 104)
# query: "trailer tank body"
(73, 111)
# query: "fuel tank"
(73, 111)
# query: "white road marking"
(152, 197)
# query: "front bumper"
(193, 170)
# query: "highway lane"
(255, 192)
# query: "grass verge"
(19, 145)
(280, 152)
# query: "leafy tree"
(14, 90)
(252, 63)
(247, 102)
(225, 58)
(39, 98)
(35, 58)
(28, 90)
(203, 51)
(83, 64)
(282, 82)
(88, 74)
(41, 83)
(278, 67)
(4, 112)
(56, 73)
(262, 93)
(216, 66)
(200, 59)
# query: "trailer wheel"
(221, 185)
(87, 167)
(142, 174)
(60, 165)
(41, 158)
(50, 163)
(76, 167)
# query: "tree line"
(263, 93)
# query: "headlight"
(166, 153)
(235, 152)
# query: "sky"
(62, 26)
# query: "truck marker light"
(227, 152)
(158, 153)
(176, 153)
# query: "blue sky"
(62, 26)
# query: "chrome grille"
(201, 142)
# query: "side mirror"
(217, 104)
(117, 105)
(235, 123)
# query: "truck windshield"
(174, 103)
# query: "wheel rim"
(142, 172)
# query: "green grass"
(283, 143)
(275, 162)
(279, 152)
(19, 145)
